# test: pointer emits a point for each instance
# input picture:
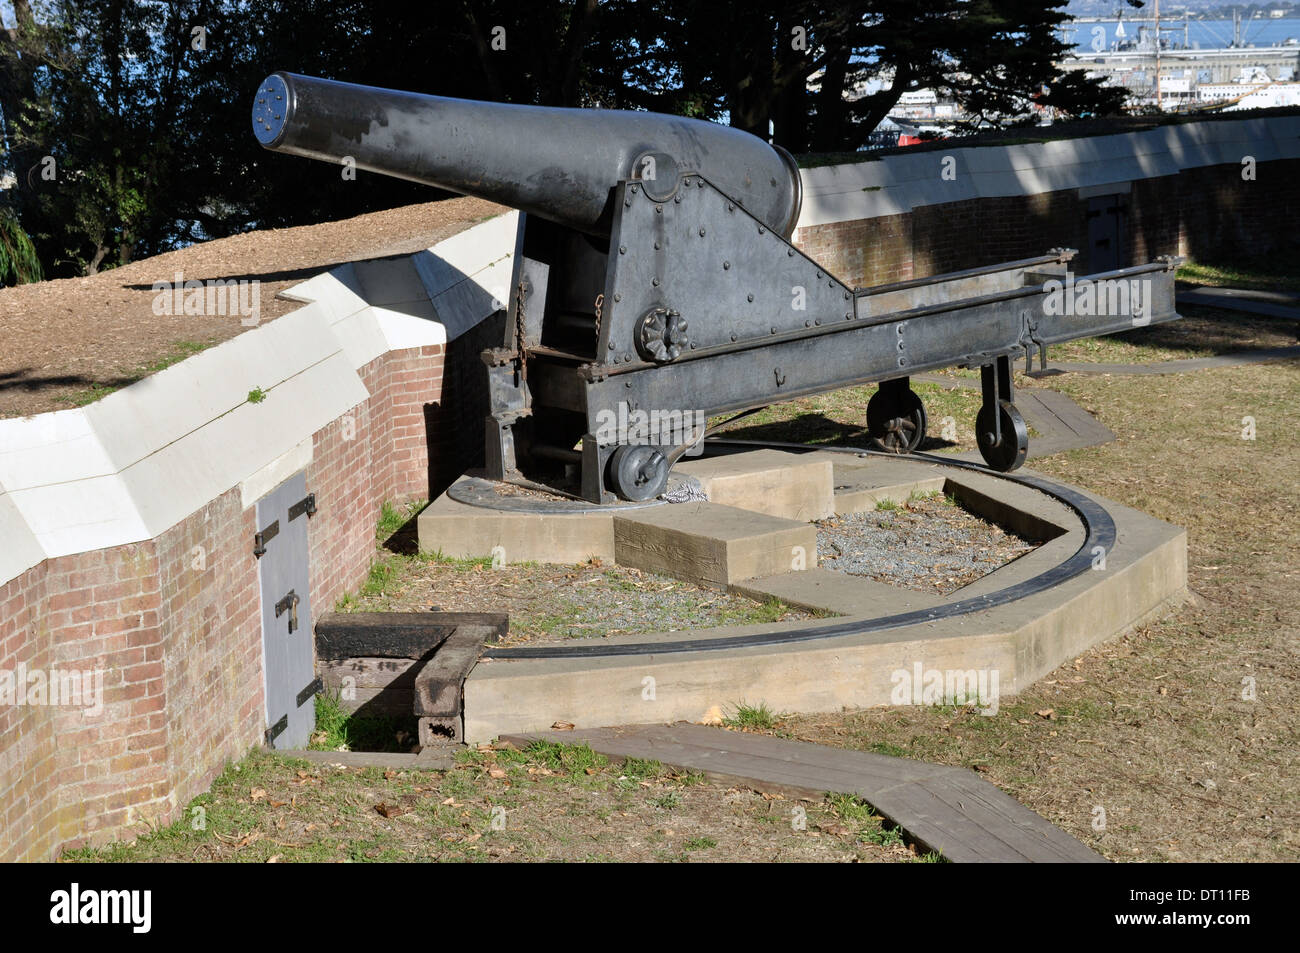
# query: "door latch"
(289, 604)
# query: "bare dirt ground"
(70, 340)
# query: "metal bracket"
(265, 536)
(289, 604)
(1029, 340)
(315, 688)
(306, 505)
(277, 729)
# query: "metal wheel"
(1008, 453)
(638, 473)
(895, 420)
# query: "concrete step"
(789, 485)
(711, 543)
(462, 531)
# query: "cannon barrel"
(559, 164)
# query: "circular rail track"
(1099, 530)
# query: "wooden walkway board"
(944, 809)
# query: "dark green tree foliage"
(19, 263)
(126, 121)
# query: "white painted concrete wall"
(130, 466)
(896, 184)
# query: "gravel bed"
(929, 545)
(552, 603)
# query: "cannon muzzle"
(559, 164)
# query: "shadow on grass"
(816, 430)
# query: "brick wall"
(174, 624)
(1209, 212)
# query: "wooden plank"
(439, 682)
(942, 808)
(373, 702)
(368, 672)
(412, 635)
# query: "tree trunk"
(830, 134)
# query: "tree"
(126, 122)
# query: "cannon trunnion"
(654, 285)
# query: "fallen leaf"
(257, 794)
(274, 858)
(389, 810)
(495, 772)
(1049, 713)
(563, 726)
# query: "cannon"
(655, 286)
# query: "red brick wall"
(174, 623)
(1207, 213)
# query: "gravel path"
(930, 545)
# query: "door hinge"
(315, 688)
(306, 505)
(277, 729)
(289, 604)
(265, 536)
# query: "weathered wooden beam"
(410, 635)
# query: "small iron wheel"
(638, 473)
(1008, 453)
(895, 420)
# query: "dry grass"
(1153, 728)
(549, 803)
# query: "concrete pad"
(857, 663)
(472, 532)
(711, 543)
(862, 482)
(775, 482)
(837, 592)
(431, 758)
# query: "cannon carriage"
(653, 274)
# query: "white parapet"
(130, 466)
(897, 183)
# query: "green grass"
(390, 520)
(337, 728)
(1274, 271)
(753, 717)
(382, 574)
(876, 828)
(700, 843)
(573, 760)
(642, 768)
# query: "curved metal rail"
(1099, 530)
